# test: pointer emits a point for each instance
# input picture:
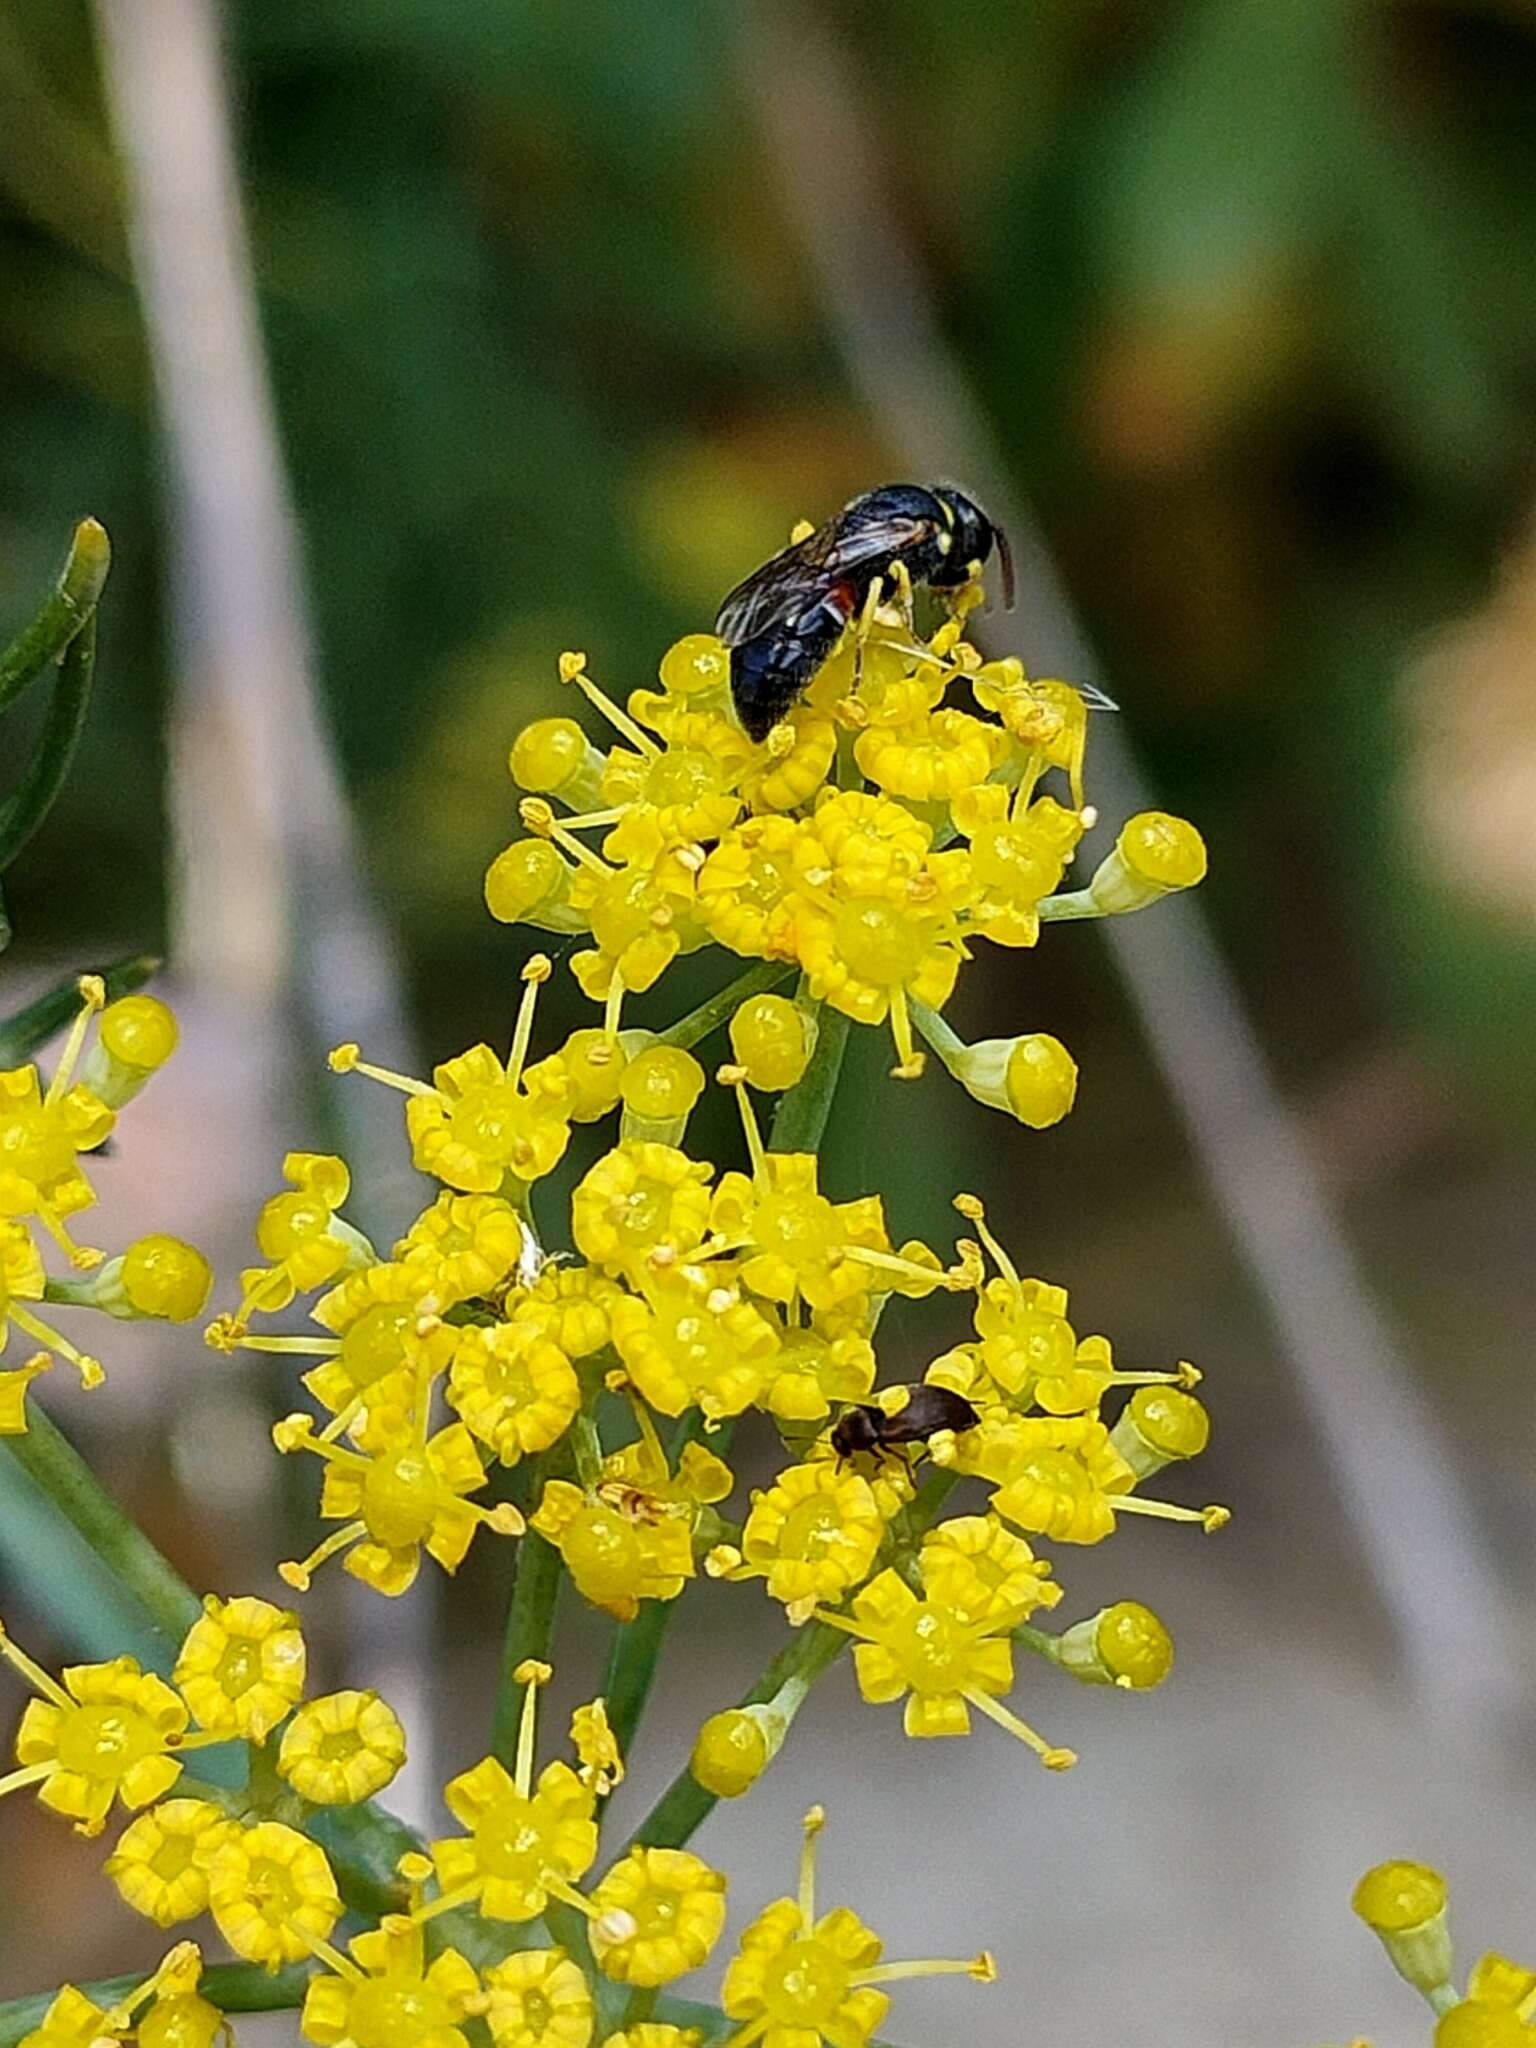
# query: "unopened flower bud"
(1154, 855)
(659, 1089)
(773, 1040)
(158, 1278)
(733, 1749)
(1032, 1077)
(135, 1036)
(1158, 1426)
(529, 883)
(554, 757)
(1404, 1903)
(1124, 1645)
(697, 662)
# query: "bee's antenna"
(1005, 556)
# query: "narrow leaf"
(62, 614)
(21, 815)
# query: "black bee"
(783, 622)
(928, 1410)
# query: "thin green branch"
(530, 1624)
(73, 1488)
(22, 814)
(718, 1009)
(635, 1658)
(801, 1118)
(685, 1804)
(232, 1987)
(63, 612)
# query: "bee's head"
(973, 536)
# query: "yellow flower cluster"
(464, 1378)
(876, 893)
(1405, 1905)
(45, 1132)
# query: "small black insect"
(928, 1410)
(784, 621)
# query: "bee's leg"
(902, 579)
(865, 627)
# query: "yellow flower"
(692, 1341)
(571, 1305)
(513, 1387)
(630, 1537)
(387, 1995)
(597, 1746)
(272, 1894)
(43, 1134)
(932, 760)
(1500, 2001)
(176, 2016)
(640, 1208)
(481, 1123)
(655, 2034)
(817, 1366)
(465, 1245)
(388, 1336)
(162, 1859)
(746, 888)
(302, 1235)
(406, 1495)
(787, 773)
(1019, 851)
(1124, 1645)
(642, 917)
(942, 1659)
(813, 1535)
(539, 1999)
(241, 1666)
(106, 1733)
(1405, 1905)
(527, 1843)
(659, 1912)
(688, 790)
(1154, 856)
(1064, 1478)
(866, 953)
(797, 1243)
(802, 1978)
(979, 1568)
(341, 1748)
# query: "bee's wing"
(798, 575)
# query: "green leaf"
(62, 614)
(25, 1030)
(21, 815)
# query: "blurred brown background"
(1246, 293)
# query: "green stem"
(639, 2006)
(720, 1008)
(21, 815)
(1072, 903)
(530, 1624)
(232, 1987)
(635, 1657)
(63, 612)
(945, 1041)
(58, 1468)
(801, 1118)
(685, 1804)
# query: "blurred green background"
(1248, 291)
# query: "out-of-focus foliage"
(1248, 285)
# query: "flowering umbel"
(592, 1402)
